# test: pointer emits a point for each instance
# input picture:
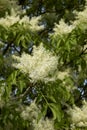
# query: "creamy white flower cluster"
(43, 124)
(41, 66)
(63, 28)
(9, 20)
(78, 115)
(81, 21)
(32, 23)
(63, 74)
(31, 113)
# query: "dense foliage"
(43, 65)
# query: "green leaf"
(43, 112)
(24, 43)
(52, 99)
(56, 110)
(83, 64)
(12, 77)
(22, 85)
(18, 38)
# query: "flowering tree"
(43, 71)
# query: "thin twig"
(24, 94)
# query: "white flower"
(81, 20)
(80, 124)
(63, 74)
(62, 28)
(31, 113)
(44, 125)
(34, 22)
(39, 66)
(9, 19)
(78, 115)
(25, 19)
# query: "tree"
(43, 65)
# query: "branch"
(83, 52)
(17, 50)
(9, 45)
(24, 94)
(5, 50)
